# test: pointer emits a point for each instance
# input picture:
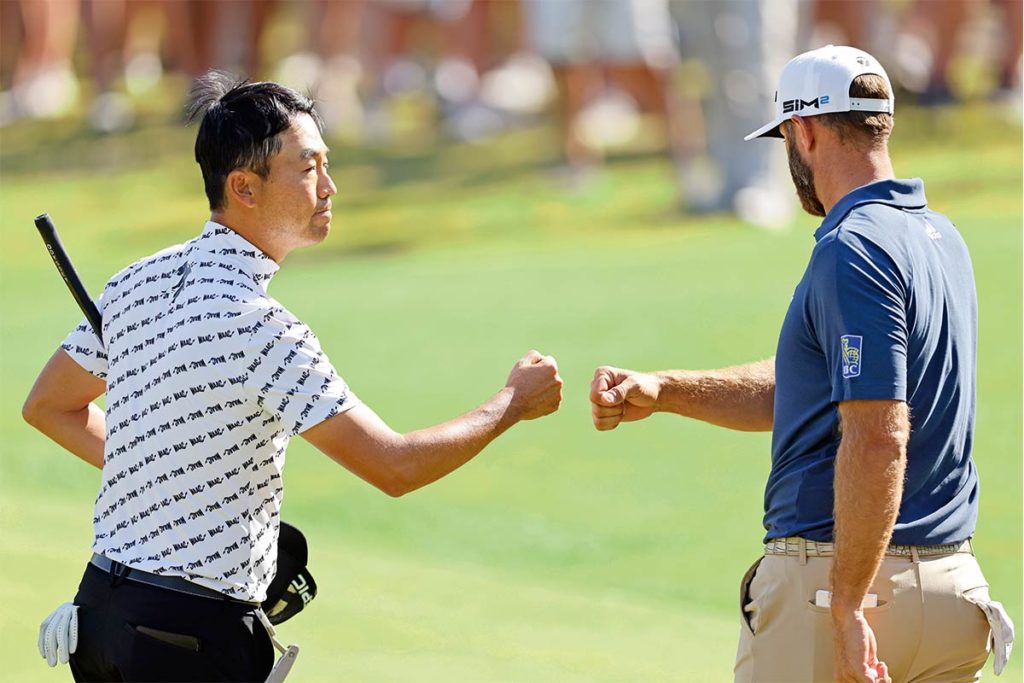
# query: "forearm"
(82, 432)
(424, 456)
(868, 490)
(741, 397)
(399, 463)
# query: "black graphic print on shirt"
(207, 379)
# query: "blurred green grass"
(559, 554)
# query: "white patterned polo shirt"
(208, 377)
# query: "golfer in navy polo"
(869, 572)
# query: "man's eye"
(310, 169)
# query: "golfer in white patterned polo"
(207, 377)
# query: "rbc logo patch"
(851, 345)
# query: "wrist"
(508, 408)
(660, 385)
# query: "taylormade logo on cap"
(818, 82)
(799, 105)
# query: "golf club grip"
(67, 271)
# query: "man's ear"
(803, 130)
(242, 187)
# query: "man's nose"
(327, 186)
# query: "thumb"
(618, 394)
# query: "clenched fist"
(536, 386)
(618, 395)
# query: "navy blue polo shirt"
(886, 310)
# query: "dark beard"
(803, 179)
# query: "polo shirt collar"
(902, 194)
(222, 240)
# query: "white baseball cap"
(818, 82)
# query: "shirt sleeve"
(858, 310)
(85, 348)
(291, 377)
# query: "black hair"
(240, 126)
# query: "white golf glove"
(1001, 638)
(58, 634)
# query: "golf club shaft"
(67, 271)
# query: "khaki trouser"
(927, 624)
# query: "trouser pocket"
(1001, 630)
(159, 655)
(748, 578)
(177, 639)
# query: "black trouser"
(129, 631)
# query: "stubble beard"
(803, 180)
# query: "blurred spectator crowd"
(697, 72)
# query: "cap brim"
(768, 130)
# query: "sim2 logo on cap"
(790, 106)
(851, 345)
